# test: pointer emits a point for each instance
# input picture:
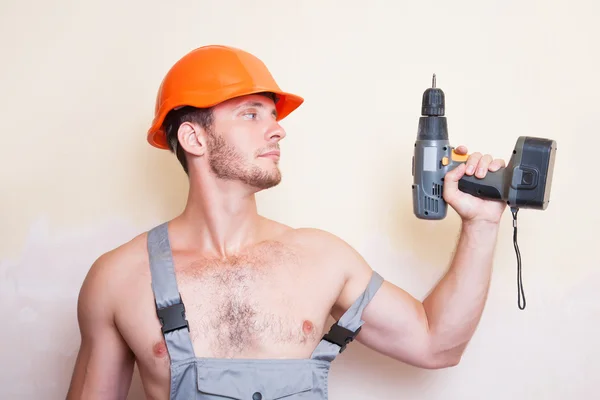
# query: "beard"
(227, 163)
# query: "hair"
(201, 116)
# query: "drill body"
(524, 183)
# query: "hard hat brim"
(156, 136)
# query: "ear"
(192, 138)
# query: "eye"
(250, 115)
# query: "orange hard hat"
(210, 75)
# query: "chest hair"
(245, 302)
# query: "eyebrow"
(256, 104)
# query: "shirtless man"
(254, 288)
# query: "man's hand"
(471, 208)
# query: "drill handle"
(492, 186)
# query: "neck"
(220, 217)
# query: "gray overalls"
(249, 379)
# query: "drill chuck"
(433, 124)
(433, 104)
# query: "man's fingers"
(483, 165)
(497, 164)
(454, 175)
(461, 149)
(451, 181)
(472, 162)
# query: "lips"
(275, 153)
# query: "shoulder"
(313, 240)
(334, 254)
(323, 248)
(106, 277)
(115, 261)
(327, 245)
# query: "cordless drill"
(524, 183)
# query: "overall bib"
(195, 378)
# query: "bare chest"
(265, 303)
(272, 302)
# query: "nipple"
(307, 327)
(160, 349)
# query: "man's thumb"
(451, 179)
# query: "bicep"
(396, 323)
(104, 364)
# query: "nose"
(275, 133)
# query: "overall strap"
(169, 306)
(349, 325)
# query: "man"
(222, 302)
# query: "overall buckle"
(341, 336)
(172, 317)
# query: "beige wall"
(78, 80)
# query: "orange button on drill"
(455, 157)
(459, 157)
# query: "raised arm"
(433, 333)
(104, 365)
